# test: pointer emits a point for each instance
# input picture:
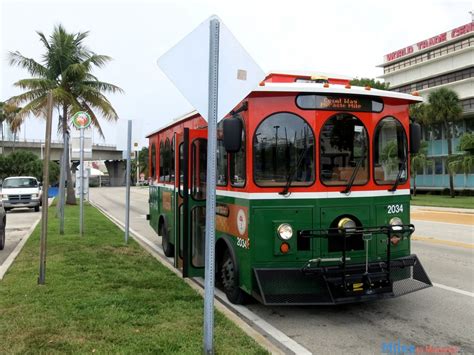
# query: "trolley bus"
(313, 193)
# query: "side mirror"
(232, 134)
(415, 137)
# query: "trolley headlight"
(397, 225)
(285, 231)
(348, 224)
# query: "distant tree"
(444, 108)
(24, 163)
(7, 115)
(143, 164)
(66, 71)
(370, 82)
(464, 162)
(418, 161)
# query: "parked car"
(3, 224)
(21, 191)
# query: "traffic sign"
(81, 119)
(187, 66)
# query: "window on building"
(390, 152)
(429, 167)
(438, 166)
(344, 147)
(283, 148)
(237, 165)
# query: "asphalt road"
(440, 316)
(19, 222)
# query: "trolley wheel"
(2, 237)
(168, 248)
(230, 280)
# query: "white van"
(21, 191)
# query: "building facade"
(444, 60)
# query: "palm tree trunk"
(450, 152)
(71, 197)
(414, 186)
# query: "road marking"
(452, 289)
(253, 320)
(443, 242)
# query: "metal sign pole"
(127, 176)
(44, 208)
(211, 187)
(81, 197)
(62, 183)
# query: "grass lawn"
(443, 201)
(105, 297)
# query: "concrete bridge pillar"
(117, 170)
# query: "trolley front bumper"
(341, 284)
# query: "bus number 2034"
(394, 209)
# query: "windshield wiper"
(291, 175)
(354, 173)
(399, 176)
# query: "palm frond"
(101, 86)
(33, 67)
(26, 96)
(95, 121)
(43, 39)
(35, 84)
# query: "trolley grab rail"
(403, 230)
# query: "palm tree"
(464, 162)
(444, 108)
(418, 161)
(7, 115)
(66, 71)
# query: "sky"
(348, 38)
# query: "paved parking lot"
(19, 223)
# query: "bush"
(24, 163)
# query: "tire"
(37, 208)
(2, 236)
(230, 279)
(168, 248)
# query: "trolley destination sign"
(334, 102)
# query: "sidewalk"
(442, 209)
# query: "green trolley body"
(312, 208)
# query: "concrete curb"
(270, 338)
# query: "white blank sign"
(187, 66)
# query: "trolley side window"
(283, 146)
(390, 152)
(162, 161)
(172, 157)
(199, 169)
(237, 165)
(153, 162)
(221, 161)
(344, 150)
(167, 162)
